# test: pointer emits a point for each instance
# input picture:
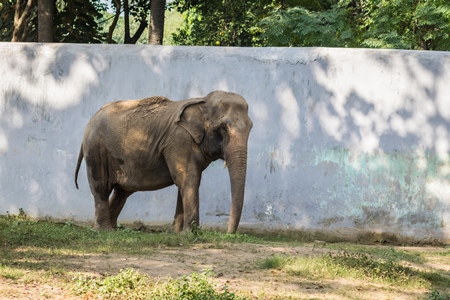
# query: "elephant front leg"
(190, 199)
(179, 214)
(187, 211)
(186, 174)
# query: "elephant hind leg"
(179, 214)
(102, 219)
(116, 204)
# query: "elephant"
(152, 143)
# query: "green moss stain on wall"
(383, 188)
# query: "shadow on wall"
(42, 89)
(368, 133)
(48, 95)
(342, 138)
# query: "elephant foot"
(178, 226)
(99, 227)
(178, 223)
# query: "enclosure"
(346, 143)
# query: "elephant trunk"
(237, 168)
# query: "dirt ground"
(235, 266)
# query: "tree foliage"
(16, 20)
(220, 22)
(302, 27)
(400, 24)
(75, 21)
(406, 24)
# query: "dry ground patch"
(42, 260)
(236, 265)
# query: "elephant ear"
(190, 117)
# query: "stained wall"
(352, 143)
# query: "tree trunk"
(21, 14)
(156, 26)
(118, 6)
(137, 34)
(126, 19)
(45, 21)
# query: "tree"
(73, 21)
(22, 15)
(133, 11)
(45, 20)
(156, 24)
(78, 21)
(172, 22)
(220, 22)
(300, 27)
(407, 24)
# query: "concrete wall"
(350, 142)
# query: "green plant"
(10, 273)
(275, 262)
(347, 265)
(435, 295)
(193, 287)
(363, 264)
(130, 284)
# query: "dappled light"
(345, 141)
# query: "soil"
(235, 266)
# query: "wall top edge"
(282, 51)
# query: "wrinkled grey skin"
(149, 144)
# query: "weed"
(10, 273)
(361, 264)
(383, 252)
(195, 286)
(435, 295)
(275, 262)
(22, 215)
(69, 223)
(39, 252)
(130, 284)
(355, 265)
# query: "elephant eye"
(223, 129)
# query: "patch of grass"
(40, 251)
(10, 273)
(275, 262)
(436, 295)
(359, 265)
(356, 265)
(194, 286)
(130, 284)
(384, 252)
(45, 246)
(20, 231)
(443, 253)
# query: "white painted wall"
(349, 142)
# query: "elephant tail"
(80, 158)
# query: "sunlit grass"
(130, 284)
(43, 251)
(383, 266)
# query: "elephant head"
(221, 126)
